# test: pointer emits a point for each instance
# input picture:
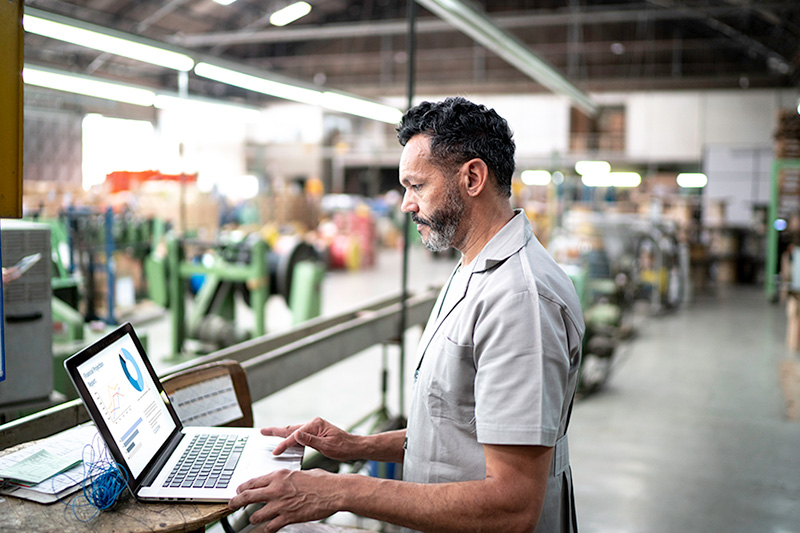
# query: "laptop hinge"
(163, 456)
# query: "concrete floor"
(688, 435)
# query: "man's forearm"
(483, 505)
(386, 447)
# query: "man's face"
(432, 198)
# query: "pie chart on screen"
(127, 364)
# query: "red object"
(124, 180)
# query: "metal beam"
(511, 49)
(11, 109)
(543, 19)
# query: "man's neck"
(483, 228)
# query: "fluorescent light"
(612, 179)
(197, 105)
(536, 177)
(90, 87)
(257, 84)
(361, 107)
(692, 180)
(625, 179)
(592, 167)
(290, 13)
(328, 99)
(107, 43)
(224, 2)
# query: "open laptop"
(139, 425)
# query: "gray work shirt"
(499, 363)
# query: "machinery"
(28, 319)
(199, 282)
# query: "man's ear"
(476, 175)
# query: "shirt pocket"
(452, 386)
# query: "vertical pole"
(108, 222)
(177, 301)
(772, 234)
(411, 46)
(11, 108)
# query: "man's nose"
(407, 206)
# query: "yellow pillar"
(11, 108)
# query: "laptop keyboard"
(208, 462)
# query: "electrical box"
(28, 319)
(11, 108)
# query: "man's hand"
(321, 435)
(289, 497)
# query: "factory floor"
(692, 431)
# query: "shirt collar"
(505, 243)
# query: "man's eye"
(415, 187)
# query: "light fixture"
(612, 179)
(74, 83)
(224, 2)
(258, 84)
(102, 39)
(536, 177)
(511, 49)
(328, 99)
(290, 13)
(360, 107)
(692, 180)
(592, 167)
(196, 105)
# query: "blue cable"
(103, 483)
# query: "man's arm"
(509, 499)
(339, 445)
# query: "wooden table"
(128, 516)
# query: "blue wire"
(103, 483)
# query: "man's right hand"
(319, 434)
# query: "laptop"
(141, 429)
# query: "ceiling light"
(195, 105)
(102, 39)
(536, 177)
(290, 13)
(360, 107)
(258, 84)
(77, 84)
(224, 2)
(612, 179)
(327, 99)
(692, 180)
(592, 167)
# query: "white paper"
(68, 444)
(209, 403)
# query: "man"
(485, 448)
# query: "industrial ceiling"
(361, 46)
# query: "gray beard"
(443, 223)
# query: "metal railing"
(271, 362)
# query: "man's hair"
(460, 130)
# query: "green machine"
(199, 282)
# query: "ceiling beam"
(542, 19)
(511, 49)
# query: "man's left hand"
(289, 497)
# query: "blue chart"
(128, 439)
(127, 363)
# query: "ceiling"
(360, 46)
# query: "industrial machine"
(28, 320)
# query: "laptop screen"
(128, 400)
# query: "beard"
(443, 222)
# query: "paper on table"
(37, 467)
(69, 443)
